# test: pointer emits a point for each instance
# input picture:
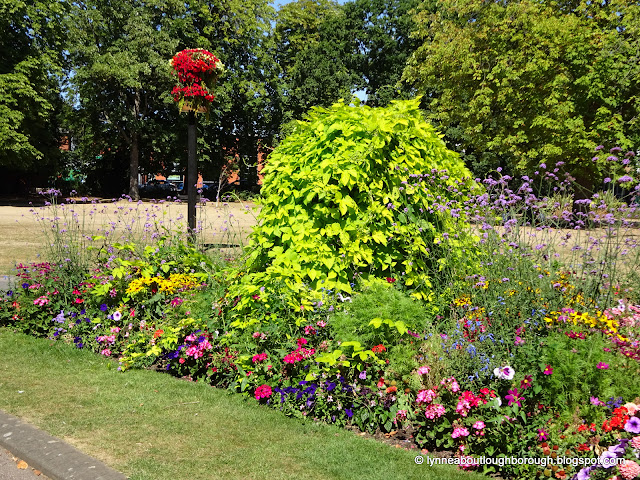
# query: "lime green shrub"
(357, 192)
(367, 317)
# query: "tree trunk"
(134, 162)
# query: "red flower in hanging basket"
(196, 71)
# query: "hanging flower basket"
(196, 71)
(186, 107)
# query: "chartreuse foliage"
(357, 192)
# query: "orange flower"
(379, 349)
(392, 389)
(157, 333)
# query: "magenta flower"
(542, 434)
(460, 432)
(526, 382)
(513, 397)
(602, 366)
(548, 370)
(263, 391)
(260, 357)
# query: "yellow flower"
(462, 301)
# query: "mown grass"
(152, 426)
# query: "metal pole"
(192, 176)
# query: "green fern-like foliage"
(359, 192)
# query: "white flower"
(504, 373)
(117, 316)
(508, 372)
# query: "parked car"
(158, 188)
(179, 186)
(209, 189)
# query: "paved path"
(5, 280)
(50, 455)
(9, 468)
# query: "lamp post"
(196, 71)
(192, 175)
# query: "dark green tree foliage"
(247, 110)
(358, 192)
(120, 52)
(381, 29)
(30, 68)
(522, 83)
(315, 47)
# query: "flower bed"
(530, 356)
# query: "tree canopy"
(30, 67)
(518, 84)
(510, 84)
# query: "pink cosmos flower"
(526, 382)
(602, 366)
(513, 397)
(548, 370)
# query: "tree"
(120, 52)
(315, 48)
(381, 29)
(30, 68)
(522, 83)
(247, 110)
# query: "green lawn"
(152, 426)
